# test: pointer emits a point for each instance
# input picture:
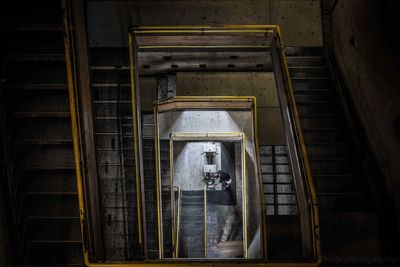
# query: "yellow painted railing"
(235, 29)
(205, 221)
(178, 224)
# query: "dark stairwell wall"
(4, 248)
(363, 39)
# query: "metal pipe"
(135, 120)
(158, 185)
(205, 221)
(178, 224)
(172, 195)
(244, 200)
(308, 179)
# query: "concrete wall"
(189, 161)
(364, 33)
(258, 84)
(4, 245)
(109, 21)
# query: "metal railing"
(205, 221)
(305, 191)
(177, 220)
(302, 174)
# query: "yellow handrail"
(76, 142)
(178, 223)
(205, 222)
(71, 83)
(309, 183)
(135, 140)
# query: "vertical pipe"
(172, 195)
(205, 221)
(260, 181)
(178, 224)
(136, 129)
(244, 197)
(158, 185)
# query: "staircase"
(34, 78)
(284, 235)
(191, 235)
(348, 221)
(112, 114)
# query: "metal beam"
(137, 126)
(78, 20)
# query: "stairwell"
(34, 78)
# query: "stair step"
(42, 142)
(308, 102)
(343, 202)
(29, 114)
(307, 71)
(313, 96)
(322, 151)
(304, 61)
(55, 253)
(310, 83)
(35, 87)
(33, 28)
(35, 57)
(333, 167)
(55, 241)
(48, 156)
(36, 72)
(331, 159)
(327, 108)
(192, 193)
(303, 51)
(45, 128)
(307, 91)
(329, 122)
(35, 42)
(51, 205)
(50, 194)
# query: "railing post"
(205, 221)
(178, 223)
(136, 124)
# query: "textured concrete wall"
(364, 33)
(258, 84)
(109, 21)
(189, 161)
(148, 93)
(300, 21)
